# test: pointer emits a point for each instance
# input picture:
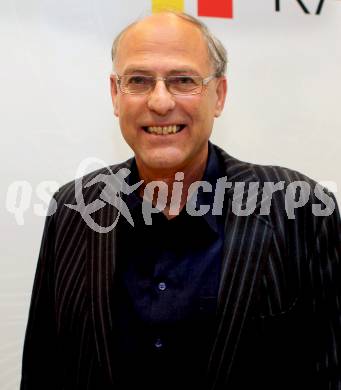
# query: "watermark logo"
(115, 185)
(20, 199)
(157, 196)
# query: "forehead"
(163, 41)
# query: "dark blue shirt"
(166, 292)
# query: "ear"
(114, 93)
(221, 91)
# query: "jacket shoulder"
(66, 192)
(86, 187)
(263, 173)
(290, 193)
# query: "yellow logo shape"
(170, 5)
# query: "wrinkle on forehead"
(161, 33)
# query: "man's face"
(164, 45)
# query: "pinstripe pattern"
(279, 296)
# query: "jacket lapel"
(246, 247)
(101, 263)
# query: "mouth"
(164, 130)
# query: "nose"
(160, 100)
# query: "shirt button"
(162, 286)
(158, 343)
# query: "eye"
(189, 80)
(139, 80)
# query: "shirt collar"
(212, 173)
(133, 200)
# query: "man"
(248, 297)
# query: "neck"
(193, 172)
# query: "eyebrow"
(139, 70)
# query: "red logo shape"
(216, 8)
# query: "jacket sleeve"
(325, 271)
(39, 365)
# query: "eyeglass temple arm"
(208, 79)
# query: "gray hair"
(216, 49)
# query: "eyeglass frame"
(204, 82)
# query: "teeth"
(172, 129)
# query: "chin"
(164, 161)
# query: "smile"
(163, 130)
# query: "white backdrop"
(283, 108)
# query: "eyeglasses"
(136, 84)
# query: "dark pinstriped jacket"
(278, 317)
